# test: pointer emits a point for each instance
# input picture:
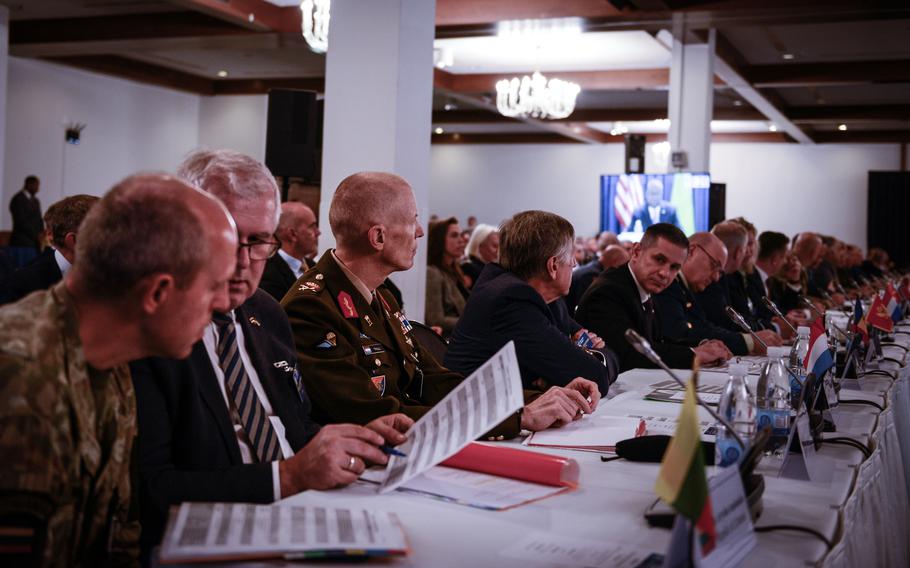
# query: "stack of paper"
(592, 433)
(213, 532)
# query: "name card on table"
(806, 464)
(732, 525)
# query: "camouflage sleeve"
(34, 467)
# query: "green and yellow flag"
(682, 482)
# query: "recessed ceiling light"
(449, 106)
(788, 56)
(737, 103)
(438, 130)
(773, 128)
(842, 127)
(456, 136)
(222, 73)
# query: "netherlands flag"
(819, 360)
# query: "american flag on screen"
(629, 197)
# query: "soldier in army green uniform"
(67, 408)
(356, 353)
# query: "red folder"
(518, 464)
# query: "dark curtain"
(887, 222)
(717, 205)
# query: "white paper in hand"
(490, 395)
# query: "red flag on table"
(878, 316)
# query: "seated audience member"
(747, 288)
(231, 422)
(876, 263)
(510, 303)
(67, 410)
(446, 290)
(361, 359)
(790, 284)
(772, 256)
(61, 222)
(715, 298)
(808, 248)
(678, 311)
(298, 233)
(483, 248)
(610, 257)
(621, 299)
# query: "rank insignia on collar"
(309, 287)
(255, 321)
(330, 338)
(368, 320)
(346, 303)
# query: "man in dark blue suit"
(510, 303)
(231, 422)
(655, 209)
(62, 221)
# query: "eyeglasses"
(716, 265)
(260, 250)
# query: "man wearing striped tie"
(232, 421)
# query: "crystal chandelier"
(314, 23)
(536, 97)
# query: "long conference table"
(863, 508)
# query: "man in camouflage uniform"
(67, 410)
(358, 358)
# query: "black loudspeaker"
(293, 140)
(635, 154)
(886, 221)
(717, 204)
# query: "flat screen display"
(630, 203)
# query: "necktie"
(246, 405)
(648, 307)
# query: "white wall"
(130, 127)
(784, 187)
(235, 122)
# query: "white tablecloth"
(863, 508)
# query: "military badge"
(331, 338)
(368, 320)
(346, 303)
(379, 383)
(318, 277)
(309, 286)
(255, 321)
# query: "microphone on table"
(811, 306)
(743, 325)
(652, 448)
(773, 307)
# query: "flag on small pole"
(878, 316)
(682, 482)
(819, 360)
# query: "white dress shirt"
(210, 339)
(296, 266)
(655, 214)
(62, 263)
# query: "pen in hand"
(389, 450)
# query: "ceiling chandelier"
(536, 97)
(314, 23)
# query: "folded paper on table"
(215, 532)
(518, 464)
(592, 432)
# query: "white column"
(691, 102)
(378, 108)
(7, 191)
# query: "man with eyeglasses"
(232, 421)
(679, 313)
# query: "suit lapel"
(201, 366)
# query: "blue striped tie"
(246, 405)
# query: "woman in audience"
(447, 291)
(482, 248)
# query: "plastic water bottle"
(798, 355)
(772, 399)
(737, 407)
